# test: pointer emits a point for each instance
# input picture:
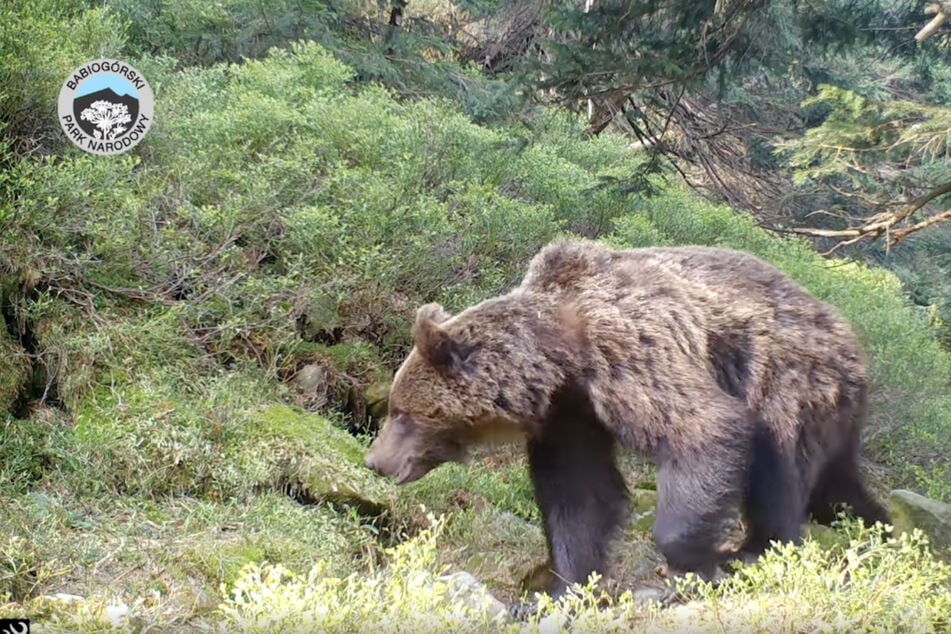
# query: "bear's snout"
(368, 462)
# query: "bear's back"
(795, 351)
(718, 280)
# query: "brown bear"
(747, 392)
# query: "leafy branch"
(880, 155)
(893, 225)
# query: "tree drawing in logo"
(110, 118)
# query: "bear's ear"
(435, 343)
(433, 312)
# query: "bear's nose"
(368, 462)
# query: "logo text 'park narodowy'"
(105, 106)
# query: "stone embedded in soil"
(645, 560)
(319, 462)
(311, 379)
(472, 593)
(63, 597)
(537, 579)
(910, 510)
(650, 594)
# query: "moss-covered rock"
(377, 396)
(317, 461)
(224, 439)
(910, 511)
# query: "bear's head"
(474, 378)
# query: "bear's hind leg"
(580, 493)
(696, 495)
(774, 502)
(840, 485)
(840, 482)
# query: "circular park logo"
(105, 106)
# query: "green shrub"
(413, 59)
(268, 188)
(275, 202)
(406, 596)
(42, 42)
(867, 583)
(15, 372)
(284, 211)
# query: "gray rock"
(116, 613)
(909, 511)
(646, 595)
(553, 623)
(645, 560)
(203, 602)
(472, 593)
(311, 379)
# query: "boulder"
(318, 462)
(910, 510)
(311, 379)
(466, 589)
(646, 595)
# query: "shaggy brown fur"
(745, 390)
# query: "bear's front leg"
(580, 493)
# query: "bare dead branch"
(150, 296)
(942, 11)
(900, 234)
(827, 233)
(605, 110)
(887, 223)
(923, 200)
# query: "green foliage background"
(294, 209)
